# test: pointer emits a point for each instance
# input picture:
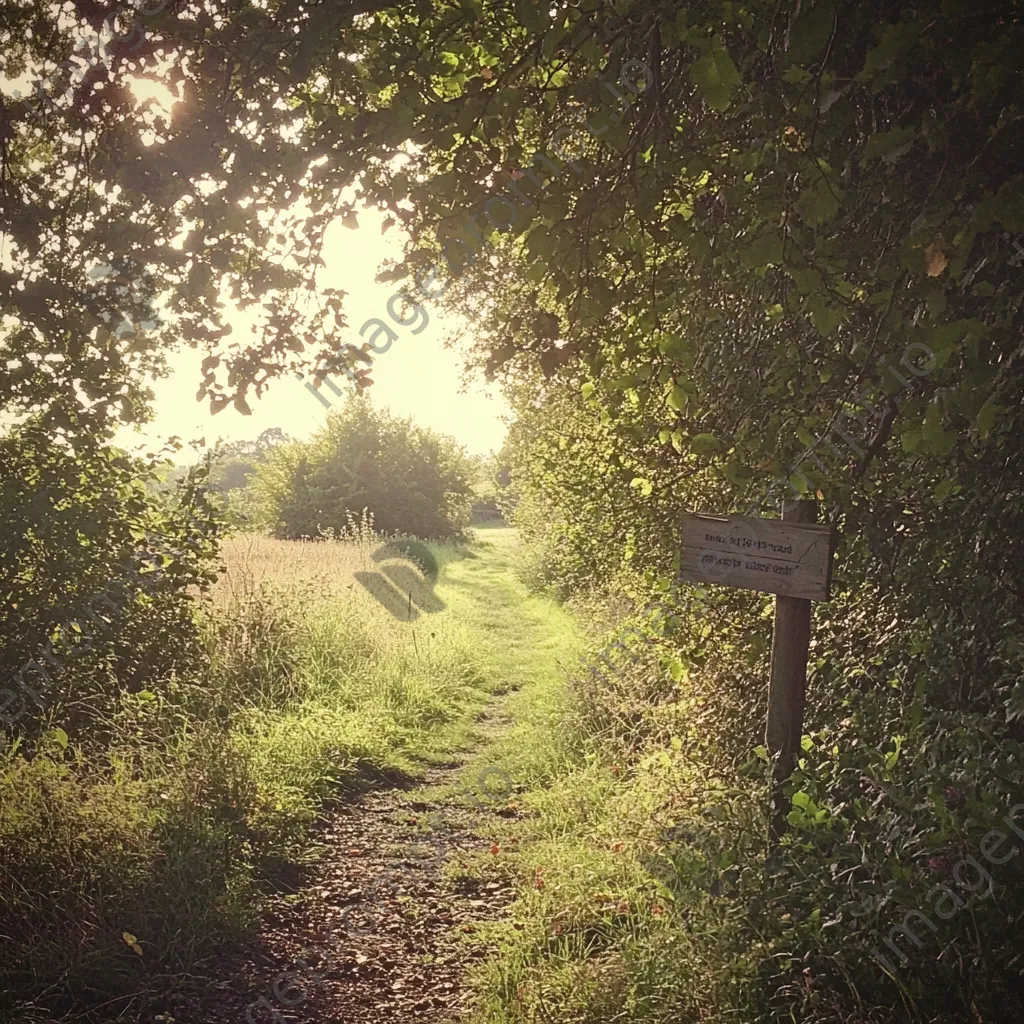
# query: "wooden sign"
(771, 555)
(790, 557)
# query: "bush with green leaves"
(411, 480)
(95, 574)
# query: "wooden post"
(788, 681)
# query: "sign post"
(788, 680)
(790, 557)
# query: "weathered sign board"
(790, 557)
(771, 555)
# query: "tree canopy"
(701, 201)
(410, 480)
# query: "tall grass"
(122, 863)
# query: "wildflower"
(954, 797)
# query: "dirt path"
(371, 933)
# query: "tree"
(620, 144)
(95, 574)
(234, 462)
(412, 480)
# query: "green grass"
(526, 642)
(169, 830)
(597, 932)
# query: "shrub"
(411, 480)
(95, 573)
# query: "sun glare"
(144, 89)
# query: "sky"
(418, 376)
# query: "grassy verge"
(646, 892)
(594, 935)
(125, 860)
(637, 855)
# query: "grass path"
(387, 921)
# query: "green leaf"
(764, 250)
(704, 444)
(618, 136)
(533, 16)
(677, 398)
(824, 315)
(540, 241)
(892, 757)
(738, 472)
(146, 695)
(698, 247)
(60, 737)
(716, 76)
(943, 340)
(888, 145)
(551, 40)
(896, 40)
(819, 203)
(910, 439)
(677, 348)
(810, 32)
(987, 417)
(796, 74)
(537, 271)
(939, 440)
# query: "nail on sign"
(770, 555)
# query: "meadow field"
(166, 829)
(190, 861)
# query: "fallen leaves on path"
(371, 934)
